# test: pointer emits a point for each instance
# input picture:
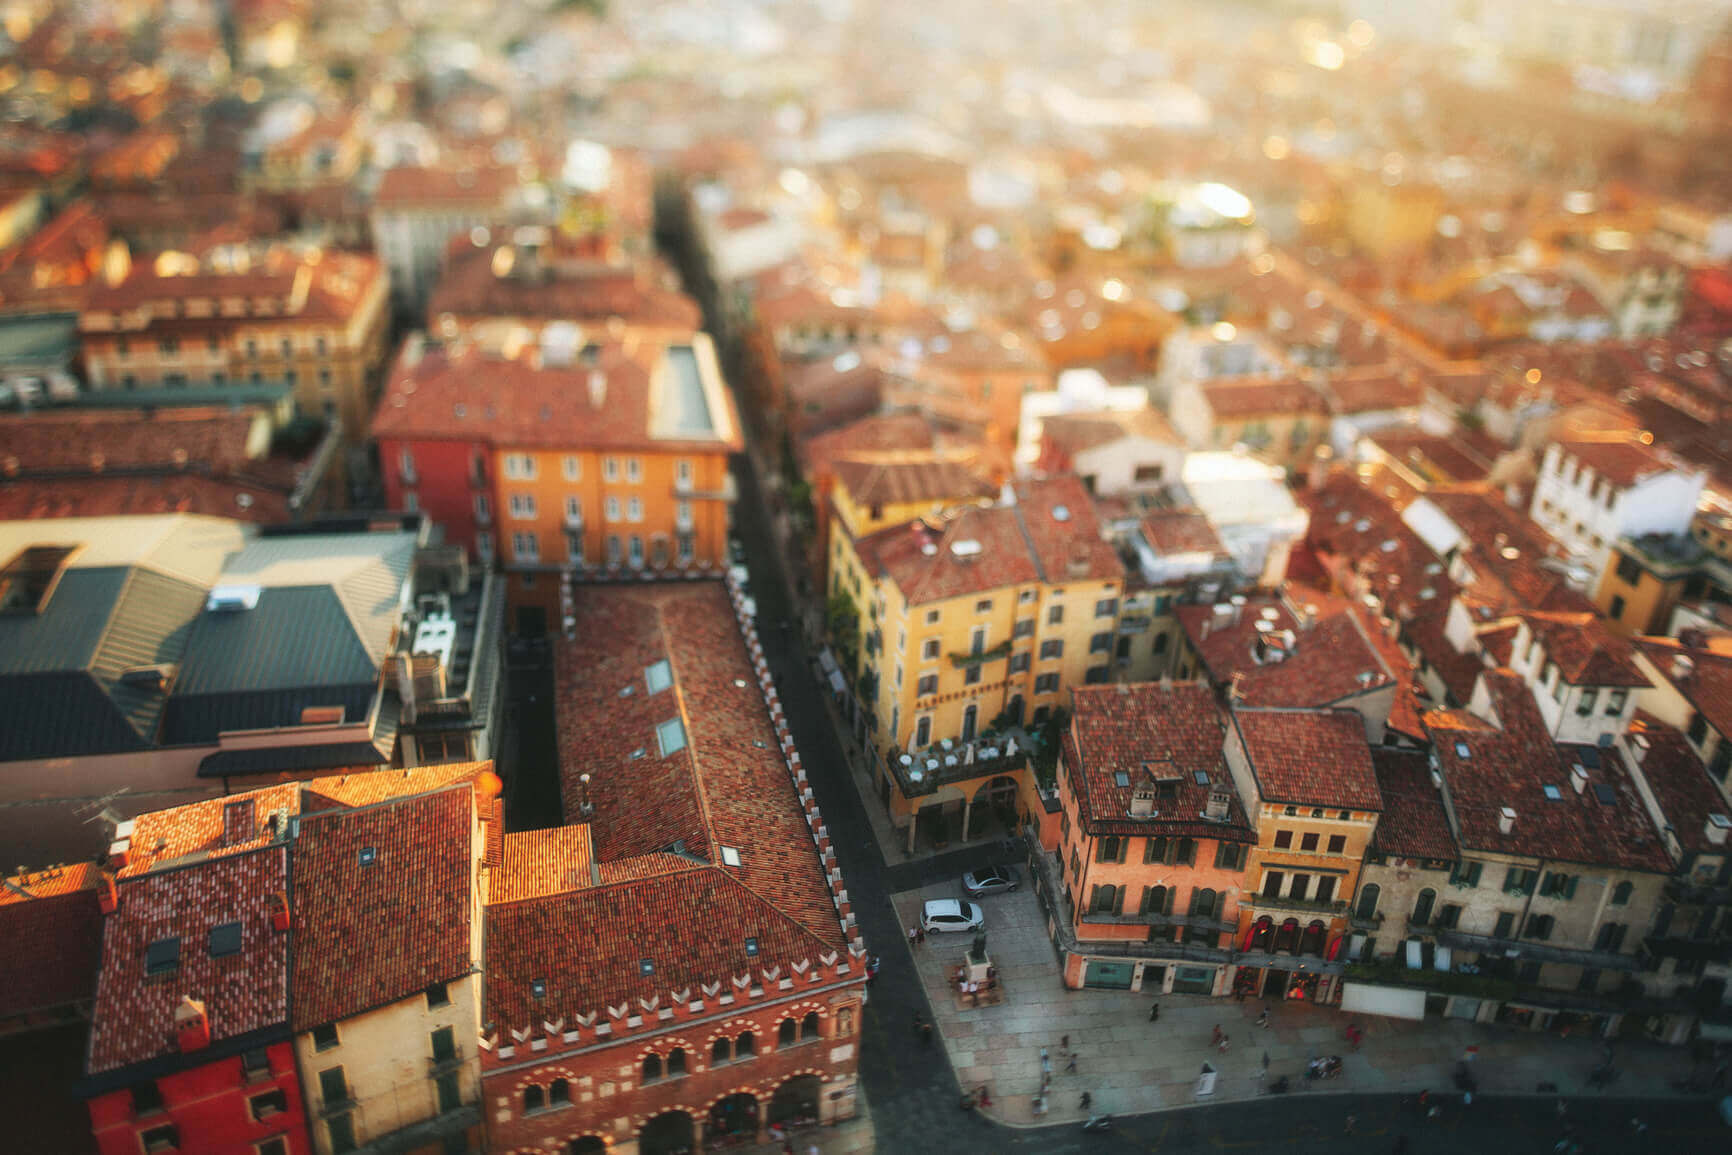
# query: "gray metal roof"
(293, 637)
(62, 714)
(200, 719)
(65, 634)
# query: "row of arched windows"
(555, 1094)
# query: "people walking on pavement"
(1083, 1103)
(1070, 1067)
(1263, 1019)
(1045, 1063)
(1352, 1123)
(1224, 1044)
(1155, 1012)
(1215, 1038)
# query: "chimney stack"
(191, 1025)
(1716, 829)
(1683, 665)
(1506, 817)
(1578, 778)
(107, 894)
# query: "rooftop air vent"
(1506, 817)
(965, 549)
(232, 599)
(1061, 513)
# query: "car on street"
(950, 914)
(990, 880)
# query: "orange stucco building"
(1142, 887)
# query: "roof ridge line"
(777, 908)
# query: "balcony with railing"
(1266, 902)
(1365, 922)
(925, 771)
(1197, 922)
(1001, 650)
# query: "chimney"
(119, 853)
(597, 388)
(1505, 820)
(1683, 665)
(107, 894)
(1578, 777)
(1219, 802)
(191, 1025)
(279, 912)
(1237, 601)
(1716, 828)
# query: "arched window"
(652, 1068)
(1422, 908)
(559, 1093)
(1109, 849)
(785, 1033)
(1311, 942)
(1157, 901)
(1106, 895)
(809, 1026)
(1287, 938)
(721, 1051)
(1187, 851)
(676, 1062)
(1203, 903)
(1263, 934)
(1621, 893)
(746, 1045)
(1367, 908)
(534, 1099)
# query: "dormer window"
(538, 989)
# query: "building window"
(264, 1106)
(1023, 629)
(1110, 849)
(634, 550)
(1106, 607)
(983, 606)
(683, 514)
(1104, 899)
(1698, 729)
(633, 470)
(746, 1046)
(923, 731)
(1229, 856)
(275, 1145)
(971, 676)
(1615, 702)
(1585, 703)
(1308, 842)
(1283, 839)
(610, 468)
(146, 1098)
(1019, 663)
(676, 1063)
(525, 547)
(325, 1037)
(1559, 885)
(333, 1087)
(164, 1138)
(687, 544)
(1046, 684)
(611, 507)
(929, 650)
(483, 510)
(1054, 615)
(1101, 644)
(521, 506)
(1611, 936)
(1051, 648)
(787, 1033)
(634, 509)
(444, 1041)
(1629, 570)
(572, 467)
(682, 474)
(926, 686)
(1539, 927)
(932, 617)
(1616, 610)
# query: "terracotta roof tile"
(1706, 683)
(1058, 518)
(1233, 400)
(1288, 664)
(369, 787)
(561, 283)
(543, 862)
(463, 393)
(213, 828)
(1074, 433)
(1488, 767)
(29, 499)
(899, 482)
(1310, 757)
(1375, 391)
(1170, 733)
(1586, 651)
(1622, 459)
(52, 921)
(1003, 558)
(1175, 531)
(885, 433)
(409, 189)
(1413, 823)
(1435, 458)
(245, 991)
(302, 287)
(383, 903)
(1679, 781)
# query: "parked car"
(950, 914)
(990, 880)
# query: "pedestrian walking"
(1083, 1103)
(1263, 1019)
(1155, 1013)
(912, 932)
(1215, 1039)
(926, 1033)
(1265, 1060)
(1352, 1124)
(1225, 1043)
(1070, 1067)
(1045, 1063)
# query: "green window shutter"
(1570, 887)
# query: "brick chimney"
(107, 894)
(191, 1025)
(279, 911)
(1716, 829)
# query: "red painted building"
(190, 1040)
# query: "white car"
(950, 914)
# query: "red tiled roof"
(560, 284)
(1173, 531)
(134, 1015)
(209, 829)
(464, 393)
(1233, 400)
(1058, 518)
(885, 433)
(367, 933)
(1489, 767)
(542, 862)
(1074, 433)
(1679, 781)
(1707, 685)
(1325, 664)
(52, 921)
(328, 286)
(900, 555)
(1168, 732)
(1413, 823)
(1621, 459)
(1587, 653)
(1311, 757)
(1435, 458)
(34, 498)
(1375, 392)
(127, 439)
(901, 482)
(369, 787)
(482, 188)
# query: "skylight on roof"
(369, 855)
(1121, 778)
(752, 947)
(636, 754)
(162, 956)
(1462, 750)
(1201, 777)
(671, 736)
(646, 966)
(730, 856)
(659, 676)
(1552, 792)
(225, 939)
(627, 690)
(538, 989)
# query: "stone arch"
(735, 1113)
(796, 1098)
(811, 1026)
(787, 1032)
(591, 1144)
(669, 1133)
